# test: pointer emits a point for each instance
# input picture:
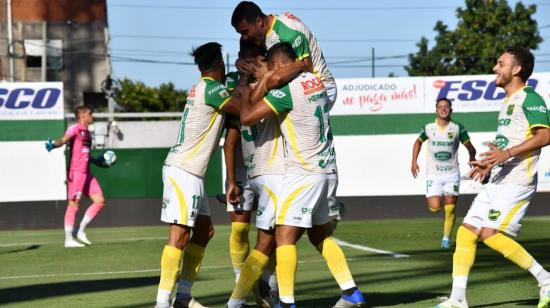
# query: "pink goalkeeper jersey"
(80, 142)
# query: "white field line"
(60, 242)
(370, 249)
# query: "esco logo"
(20, 98)
(471, 90)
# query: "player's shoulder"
(457, 125)
(287, 24)
(214, 88)
(532, 98)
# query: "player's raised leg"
(98, 203)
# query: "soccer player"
(262, 148)
(80, 180)
(443, 177)
(267, 30)
(185, 205)
(496, 212)
(302, 106)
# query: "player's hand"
(495, 156)
(480, 170)
(233, 194)
(415, 169)
(50, 145)
(260, 68)
(244, 67)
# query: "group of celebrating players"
(281, 165)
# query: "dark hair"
(246, 10)
(250, 49)
(207, 56)
(523, 58)
(443, 99)
(283, 49)
(81, 109)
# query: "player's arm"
(471, 150)
(220, 98)
(52, 144)
(252, 113)
(232, 139)
(416, 150)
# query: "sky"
(150, 40)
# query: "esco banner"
(31, 101)
(475, 93)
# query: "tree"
(135, 96)
(485, 29)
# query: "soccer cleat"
(72, 243)
(355, 300)
(445, 243)
(544, 301)
(452, 303)
(263, 294)
(187, 303)
(81, 236)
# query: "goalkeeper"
(80, 180)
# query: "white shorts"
(247, 196)
(439, 185)
(500, 207)
(266, 188)
(183, 197)
(303, 201)
(333, 207)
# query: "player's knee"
(487, 233)
(99, 199)
(434, 208)
(266, 247)
(178, 236)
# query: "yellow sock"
(287, 262)
(510, 249)
(465, 252)
(252, 269)
(449, 220)
(238, 244)
(192, 258)
(337, 264)
(169, 267)
(433, 210)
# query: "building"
(76, 33)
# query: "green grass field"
(121, 269)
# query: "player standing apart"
(443, 176)
(185, 204)
(309, 158)
(496, 212)
(80, 180)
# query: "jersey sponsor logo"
(443, 155)
(317, 96)
(493, 215)
(291, 16)
(443, 143)
(297, 42)
(312, 85)
(501, 141)
(541, 109)
(510, 109)
(472, 90)
(278, 93)
(224, 94)
(215, 89)
(504, 122)
(20, 98)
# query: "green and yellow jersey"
(442, 147)
(200, 128)
(302, 106)
(520, 112)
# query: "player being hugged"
(80, 180)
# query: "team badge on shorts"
(455, 188)
(493, 215)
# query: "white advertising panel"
(477, 93)
(31, 101)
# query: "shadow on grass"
(519, 302)
(31, 247)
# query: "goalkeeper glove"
(50, 145)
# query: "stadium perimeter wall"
(373, 151)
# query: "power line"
(193, 7)
(202, 38)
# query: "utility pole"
(10, 42)
(44, 63)
(227, 62)
(372, 62)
